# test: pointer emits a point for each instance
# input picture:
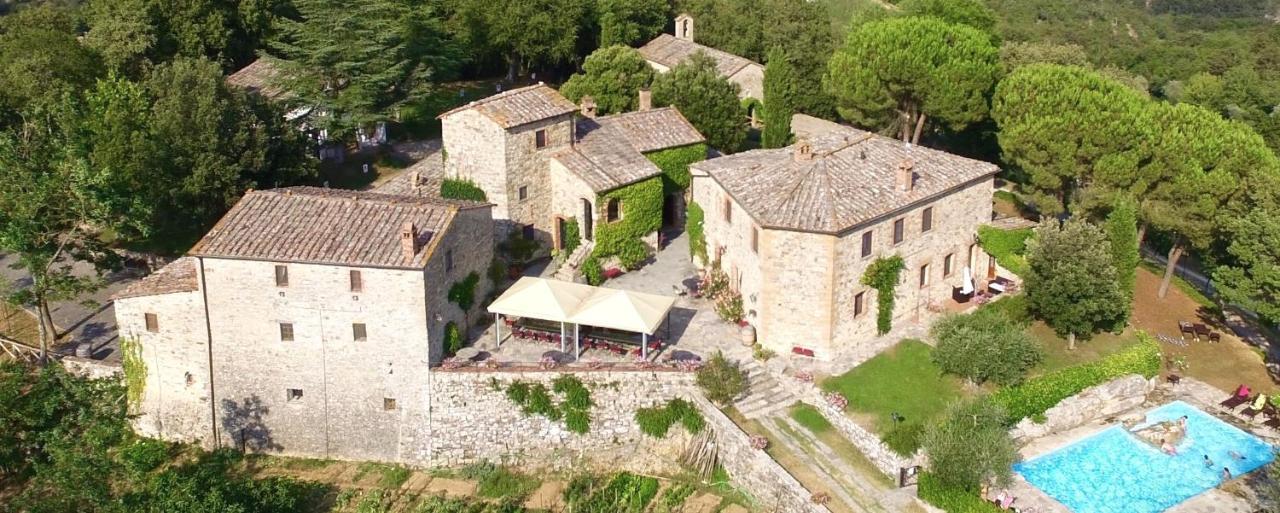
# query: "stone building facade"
(543, 161)
(796, 228)
(667, 51)
(306, 322)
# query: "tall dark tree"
(779, 84)
(355, 62)
(802, 31)
(631, 22)
(525, 33)
(704, 97)
(1250, 276)
(901, 72)
(1122, 233)
(41, 62)
(1072, 283)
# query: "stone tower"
(684, 26)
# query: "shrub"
(463, 293)
(592, 270)
(497, 272)
(625, 493)
(462, 189)
(574, 409)
(693, 225)
(502, 483)
(144, 455)
(452, 339)
(952, 499)
(1008, 246)
(1037, 395)
(657, 421)
(970, 445)
(572, 237)
(721, 380)
(984, 346)
(904, 437)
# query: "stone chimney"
(905, 177)
(684, 26)
(803, 151)
(646, 100)
(588, 106)
(409, 240)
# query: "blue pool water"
(1115, 472)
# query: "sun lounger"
(1259, 404)
(1235, 401)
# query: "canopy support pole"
(644, 346)
(561, 336)
(577, 348)
(497, 330)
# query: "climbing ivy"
(463, 189)
(674, 163)
(697, 236)
(572, 236)
(463, 293)
(641, 215)
(882, 275)
(135, 371)
(535, 399)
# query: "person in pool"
(1208, 463)
(1182, 423)
(1235, 455)
(1168, 448)
(1226, 474)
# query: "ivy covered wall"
(674, 163)
(641, 204)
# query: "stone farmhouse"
(552, 168)
(305, 322)
(667, 51)
(795, 228)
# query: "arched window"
(613, 210)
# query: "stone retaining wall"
(91, 369)
(1098, 402)
(753, 469)
(867, 442)
(471, 419)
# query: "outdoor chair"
(1215, 337)
(1250, 412)
(1273, 422)
(1238, 398)
(1186, 329)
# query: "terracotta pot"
(748, 334)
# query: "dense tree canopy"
(706, 99)
(1250, 277)
(41, 62)
(901, 72)
(1072, 283)
(354, 63)
(779, 80)
(613, 77)
(631, 22)
(970, 446)
(973, 13)
(524, 33)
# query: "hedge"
(951, 500)
(674, 163)
(1035, 396)
(461, 188)
(1008, 246)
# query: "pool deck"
(1200, 395)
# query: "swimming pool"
(1115, 472)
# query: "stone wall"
(175, 401)
(567, 198)
(754, 470)
(1094, 403)
(750, 80)
(91, 369)
(867, 442)
(738, 261)
(472, 420)
(474, 149)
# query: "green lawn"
(1056, 354)
(902, 380)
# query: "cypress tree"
(779, 77)
(1122, 232)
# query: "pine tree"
(779, 77)
(355, 61)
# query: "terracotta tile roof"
(609, 152)
(257, 78)
(329, 226)
(520, 106)
(653, 130)
(670, 51)
(178, 276)
(429, 173)
(849, 180)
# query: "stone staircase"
(568, 270)
(764, 394)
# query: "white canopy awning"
(624, 310)
(540, 298)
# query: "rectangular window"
(540, 139)
(926, 220)
(859, 303)
(728, 210)
(358, 332)
(282, 276)
(448, 260)
(357, 281)
(755, 240)
(523, 192)
(947, 264)
(153, 322)
(866, 244)
(286, 332)
(293, 394)
(899, 227)
(924, 275)
(528, 232)
(388, 403)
